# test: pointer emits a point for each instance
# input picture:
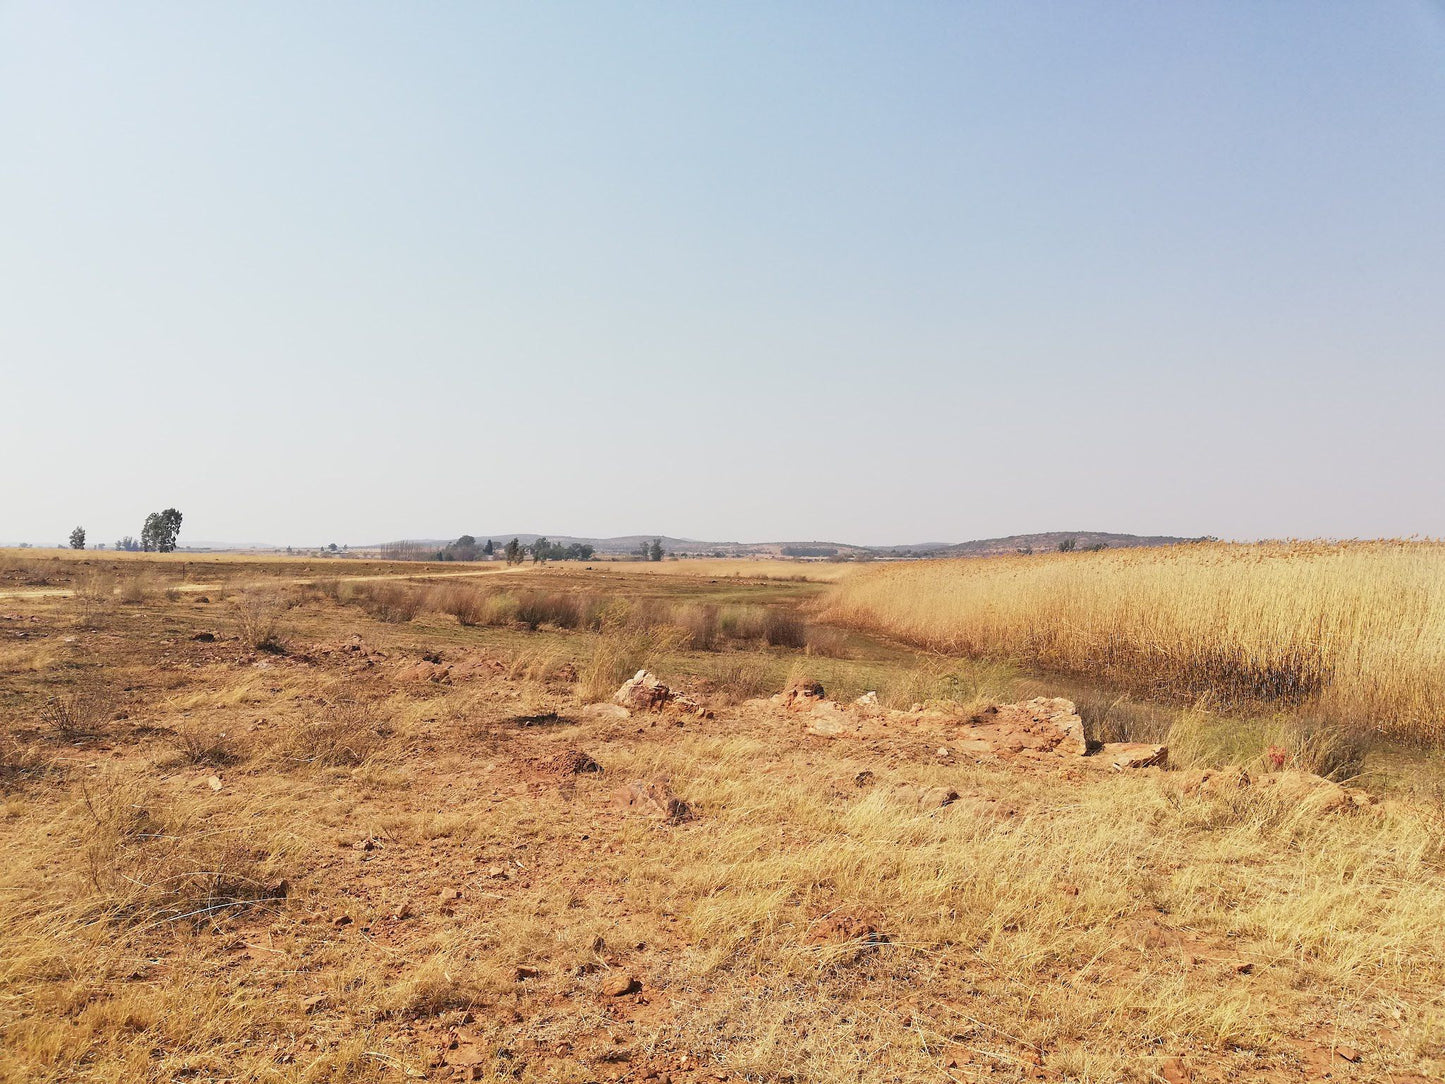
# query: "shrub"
(258, 620)
(535, 608)
(77, 713)
(467, 604)
(93, 591)
(700, 623)
(393, 603)
(345, 733)
(782, 628)
(136, 589)
(201, 746)
(150, 862)
(742, 622)
(827, 642)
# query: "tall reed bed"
(1353, 630)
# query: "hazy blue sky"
(877, 272)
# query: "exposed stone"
(644, 692)
(801, 695)
(620, 984)
(653, 797)
(827, 719)
(1062, 714)
(1314, 792)
(1043, 724)
(1130, 754)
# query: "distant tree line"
(810, 551)
(158, 535)
(544, 550)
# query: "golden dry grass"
(294, 922)
(740, 568)
(1356, 630)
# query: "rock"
(204, 637)
(1123, 755)
(1041, 725)
(867, 700)
(524, 974)
(652, 797)
(341, 920)
(863, 779)
(620, 984)
(449, 895)
(643, 692)
(314, 1002)
(1348, 1053)
(214, 782)
(827, 719)
(1062, 714)
(1313, 792)
(1174, 1071)
(801, 695)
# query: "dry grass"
(1355, 632)
(258, 615)
(746, 568)
(622, 648)
(387, 877)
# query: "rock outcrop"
(644, 692)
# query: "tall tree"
(513, 551)
(541, 550)
(654, 551)
(160, 531)
(77, 538)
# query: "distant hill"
(626, 545)
(983, 547)
(1051, 540)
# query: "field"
(1354, 633)
(322, 820)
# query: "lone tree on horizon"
(654, 551)
(77, 538)
(513, 552)
(160, 531)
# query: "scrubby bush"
(782, 628)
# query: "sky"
(876, 273)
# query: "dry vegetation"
(324, 828)
(1353, 632)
